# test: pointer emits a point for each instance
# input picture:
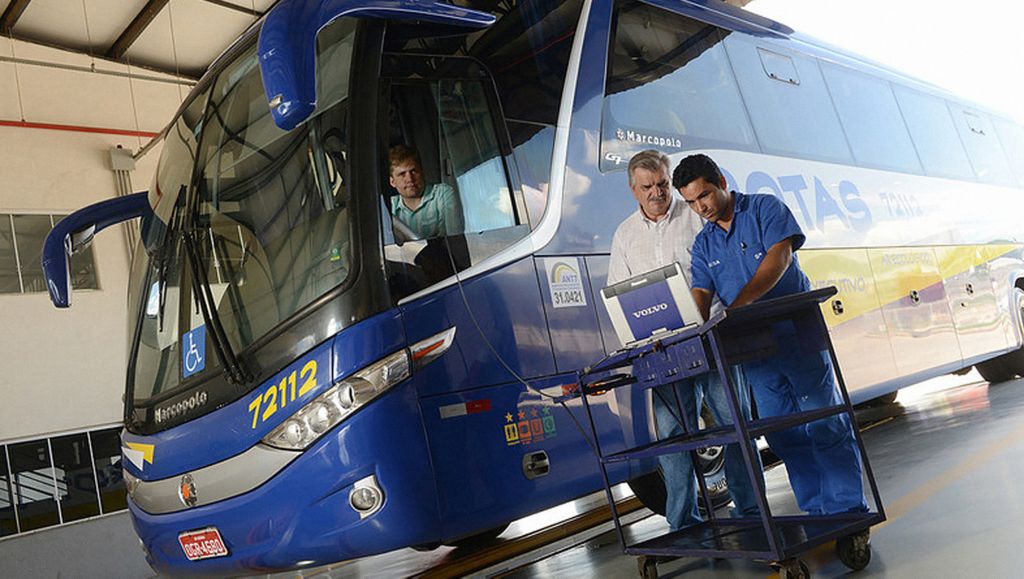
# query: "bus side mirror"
(81, 239)
(287, 44)
(75, 232)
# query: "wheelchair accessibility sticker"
(193, 351)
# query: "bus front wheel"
(650, 488)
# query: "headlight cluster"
(328, 409)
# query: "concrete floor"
(947, 465)
(947, 457)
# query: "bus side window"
(982, 144)
(669, 85)
(789, 119)
(1012, 137)
(934, 134)
(871, 120)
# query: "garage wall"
(64, 369)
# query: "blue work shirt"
(722, 262)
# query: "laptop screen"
(656, 302)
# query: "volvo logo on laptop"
(651, 303)
(651, 310)
(187, 491)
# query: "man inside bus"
(659, 233)
(745, 253)
(430, 211)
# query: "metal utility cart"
(731, 338)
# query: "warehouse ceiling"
(180, 37)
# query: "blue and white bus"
(308, 381)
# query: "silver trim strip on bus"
(549, 223)
(224, 480)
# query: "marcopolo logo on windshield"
(170, 411)
(651, 310)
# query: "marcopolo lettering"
(651, 310)
(648, 139)
(197, 400)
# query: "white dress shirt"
(641, 245)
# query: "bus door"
(493, 439)
(442, 119)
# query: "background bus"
(308, 383)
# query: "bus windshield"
(266, 213)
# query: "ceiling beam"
(235, 7)
(186, 75)
(12, 14)
(135, 29)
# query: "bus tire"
(650, 490)
(1009, 365)
(712, 463)
(884, 399)
(995, 370)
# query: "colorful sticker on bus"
(529, 426)
(138, 454)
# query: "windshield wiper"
(235, 370)
(161, 257)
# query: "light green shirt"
(439, 213)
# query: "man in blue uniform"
(744, 253)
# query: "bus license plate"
(202, 544)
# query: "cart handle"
(605, 384)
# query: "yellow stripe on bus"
(869, 278)
(850, 272)
(958, 259)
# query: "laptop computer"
(648, 305)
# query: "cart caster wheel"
(792, 569)
(647, 566)
(855, 550)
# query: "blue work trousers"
(822, 458)
(677, 469)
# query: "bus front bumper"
(303, 516)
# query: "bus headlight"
(328, 409)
